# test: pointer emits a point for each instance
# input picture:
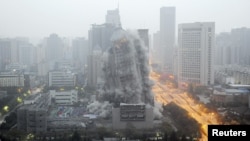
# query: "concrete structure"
(5, 53)
(139, 115)
(156, 47)
(64, 97)
(14, 67)
(143, 34)
(11, 80)
(53, 47)
(32, 99)
(126, 71)
(233, 74)
(95, 64)
(62, 79)
(25, 53)
(167, 37)
(230, 96)
(32, 117)
(99, 36)
(233, 47)
(15, 50)
(113, 17)
(80, 51)
(196, 53)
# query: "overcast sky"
(73, 18)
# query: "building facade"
(139, 115)
(113, 17)
(11, 80)
(196, 55)
(232, 47)
(62, 79)
(32, 116)
(167, 37)
(64, 97)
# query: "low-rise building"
(32, 116)
(11, 80)
(230, 95)
(139, 115)
(62, 79)
(64, 97)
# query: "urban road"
(166, 93)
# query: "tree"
(183, 138)
(76, 136)
(165, 137)
(173, 136)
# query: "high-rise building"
(99, 37)
(25, 53)
(5, 53)
(54, 47)
(95, 63)
(79, 51)
(156, 48)
(143, 34)
(167, 37)
(196, 55)
(113, 17)
(126, 71)
(232, 48)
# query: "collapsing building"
(126, 71)
(127, 87)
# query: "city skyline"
(73, 19)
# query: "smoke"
(126, 75)
(158, 110)
(103, 109)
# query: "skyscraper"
(196, 55)
(54, 47)
(113, 17)
(167, 36)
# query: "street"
(165, 93)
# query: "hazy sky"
(72, 18)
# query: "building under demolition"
(127, 85)
(127, 71)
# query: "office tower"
(5, 53)
(240, 39)
(25, 53)
(99, 36)
(167, 37)
(95, 62)
(143, 34)
(79, 51)
(54, 47)
(113, 18)
(196, 55)
(156, 48)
